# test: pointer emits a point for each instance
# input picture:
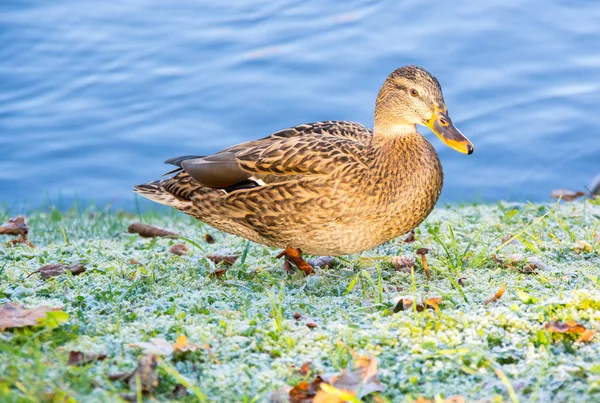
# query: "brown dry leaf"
(433, 303)
(218, 272)
(179, 249)
(53, 270)
(569, 326)
(146, 371)
(134, 262)
(305, 368)
(324, 262)
(149, 231)
(406, 304)
(13, 316)
(225, 256)
(403, 263)
(77, 358)
(361, 381)
(311, 325)
(423, 252)
(586, 336)
(297, 316)
(304, 392)
(496, 296)
(16, 226)
(566, 194)
(208, 238)
(518, 263)
(331, 388)
(410, 238)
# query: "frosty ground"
(134, 289)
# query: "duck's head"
(412, 96)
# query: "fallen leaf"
(330, 388)
(53, 270)
(433, 303)
(305, 368)
(583, 246)
(218, 272)
(225, 256)
(403, 263)
(311, 325)
(324, 262)
(182, 345)
(566, 194)
(519, 263)
(179, 249)
(134, 262)
(586, 336)
(423, 252)
(149, 231)
(146, 371)
(297, 316)
(162, 347)
(360, 382)
(208, 238)
(410, 238)
(496, 296)
(569, 326)
(16, 226)
(304, 392)
(406, 303)
(78, 358)
(14, 316)
(461, 281)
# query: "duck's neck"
(407, 167)
(389, 132)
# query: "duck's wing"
(310, 149)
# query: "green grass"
(498, 352)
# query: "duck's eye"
(414, 92)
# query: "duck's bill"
(441, 125)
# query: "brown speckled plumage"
(328, 188)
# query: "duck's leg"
(294, 256)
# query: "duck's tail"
(167, 191)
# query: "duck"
(327, 188)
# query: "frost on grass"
(134, 291)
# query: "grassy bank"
(243, 321)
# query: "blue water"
(94, 95)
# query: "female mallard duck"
(325, 188)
